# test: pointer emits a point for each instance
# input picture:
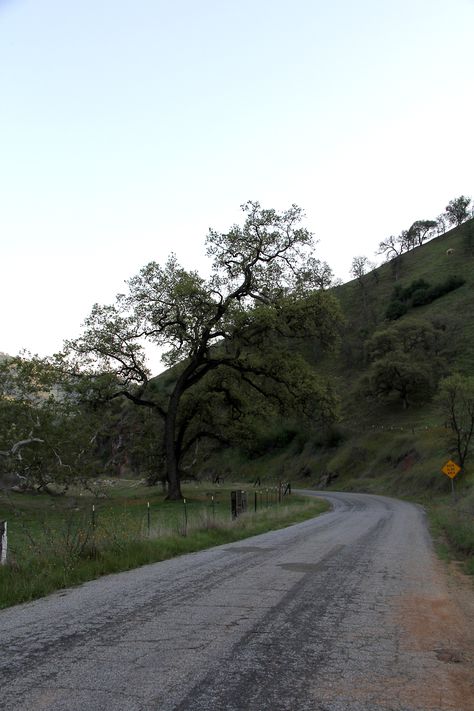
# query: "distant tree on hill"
(456, 403)
(391, 247)
(237, 325)
(317, 274)
(396, 266)
(323, 275)
(420, 231)
(441, 223)
(405, 359)
(360, 266)
(398, 373)
(394, 247)
(457, 210)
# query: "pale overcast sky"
(128, 127)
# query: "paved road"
(346, 612)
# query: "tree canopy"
(264, 290)
(456, 402)
(47, 434)
(405, 359)
(457, 210)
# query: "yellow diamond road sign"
(451, 469)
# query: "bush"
(334, 435)
(419, 293)
(395, 310)
(421, 297)
(415, 286)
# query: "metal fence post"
(185, 518)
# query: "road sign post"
(451, 470)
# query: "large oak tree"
(240, 323)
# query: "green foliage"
(230, 335)
(451, 283)
(457, 210)
(420, 231)
(456, 403)
(404, 359)
(397, 373)
(457, 527)
(419, 293)
(47, 437)
(333, 435)
(415, 287)
(396, 309)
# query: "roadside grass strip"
(453, 530)
(55, 544)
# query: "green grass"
(53, 544)
(384, 449)
(452, 527)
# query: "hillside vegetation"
(270, 402)
(384, 424)
(380, 443)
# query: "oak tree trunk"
(172, 461)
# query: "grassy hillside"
(449, 255)
(379, 445)
(376, 439)
(374, 435)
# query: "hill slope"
(379, 444)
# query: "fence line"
(238, 504)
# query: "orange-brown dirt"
(436, 631)
(441, 628)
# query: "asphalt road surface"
(346, 612)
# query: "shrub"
(395, 310)
(419, 293)
(415, 286)
(452, 283)
(421, 297)
(334, 435)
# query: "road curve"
(349, 611)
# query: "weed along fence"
(66, 533)
(262, 498)
(57, 542)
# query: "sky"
(129, 127)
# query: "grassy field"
(55, 543)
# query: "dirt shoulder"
(439, 625)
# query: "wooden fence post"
(3, 542)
